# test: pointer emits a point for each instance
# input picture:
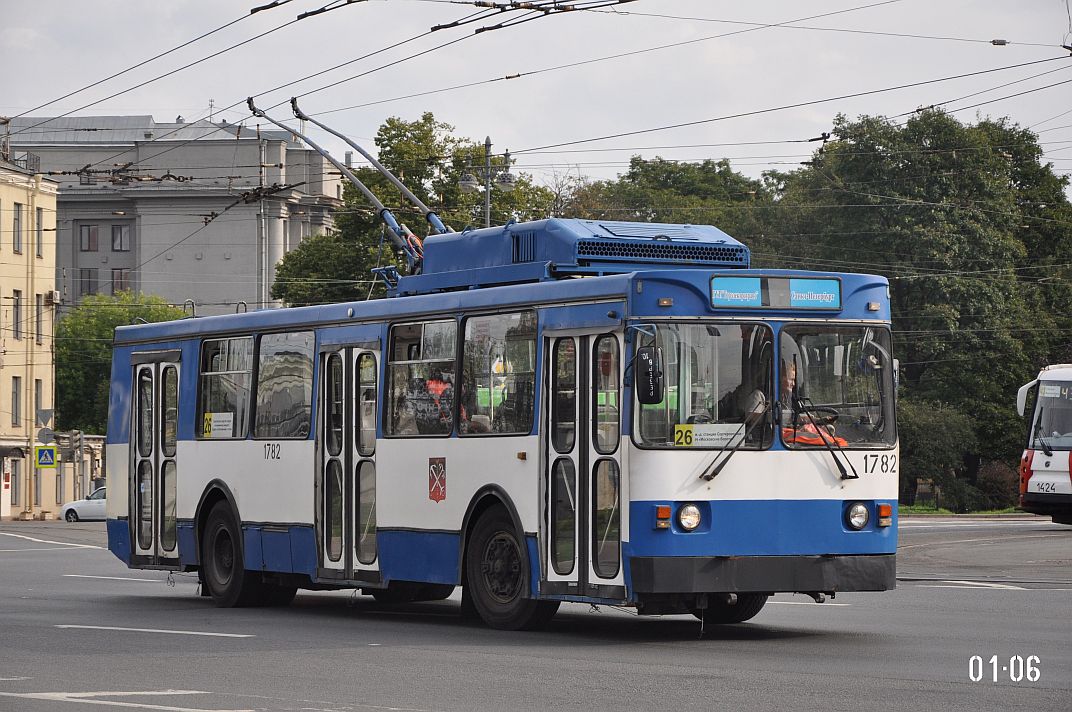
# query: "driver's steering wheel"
(822, 414)
(699, 418)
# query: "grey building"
(196, 211)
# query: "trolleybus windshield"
(1051, 426)
(718, 387)
(839, 378)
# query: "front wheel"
(497, 574)
(71, 516)
(746, 608)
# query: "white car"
(92, 507)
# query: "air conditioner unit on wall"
(52, 297)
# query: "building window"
(16, 313)
(16, 239)
(40, 232)
(87, 238)
(38, 396)
(39, 318)
(87, 281)
(59, 486)
(120, 281)
(226, 374)
(16, 400)
(120, 238)
(37, 487)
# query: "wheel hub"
(501, 568)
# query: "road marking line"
(61, 543)
(159, 630)
(987, 584)
(807, 603)
(14, 679)
(50, 548)
(113, 578)
(87, 698)
(971, 541)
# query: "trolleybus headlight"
(857, 515)
(688, 517)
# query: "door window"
(605, 403)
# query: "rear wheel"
(746, 608)
(497, 574)
(221, 561)
(71, 516)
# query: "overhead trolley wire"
(159, 77)
(147, 61)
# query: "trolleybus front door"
(346, 511)
(154, 477)
(583, 520)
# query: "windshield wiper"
(1038, 434)
(827, 440)
(716, 466)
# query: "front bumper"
(770, 574)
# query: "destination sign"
(775, 293)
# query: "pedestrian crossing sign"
(45, 456)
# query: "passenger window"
(498, 374)
(420, 373)
(224, 386)
(284, 385)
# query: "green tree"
(430, 160)
(84, 354)
(935, 438)
(951, 213)
(658, 190)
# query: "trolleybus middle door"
(346, 510)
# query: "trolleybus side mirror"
(648, 375)
(1021, 397)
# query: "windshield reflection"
(718, 387)
(836, 386)
(1051, 426)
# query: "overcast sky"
(52, 48)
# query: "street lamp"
(503, 180)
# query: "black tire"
(497, 575)
(71, 515)
(221, 562)
(746, 608)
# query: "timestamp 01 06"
(1016, 667)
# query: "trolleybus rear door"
(154, 479)
(583, 514)
(346, 510)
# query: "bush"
(961, 497)
(999, 485)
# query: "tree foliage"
(430, 160)
(970, 229)
(84, 354)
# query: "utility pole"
(487, 182)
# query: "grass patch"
(925, 509)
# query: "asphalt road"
(78, 628)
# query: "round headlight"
(688, 517)
(857, 515)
